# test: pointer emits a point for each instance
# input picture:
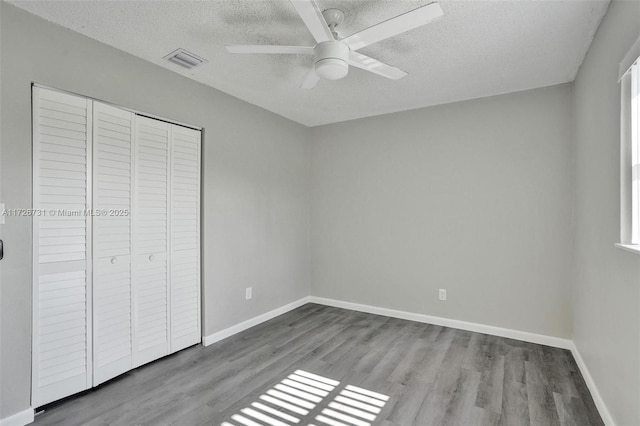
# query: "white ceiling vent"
(185, 59)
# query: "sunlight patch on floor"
(303, 394)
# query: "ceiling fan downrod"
(333, 17)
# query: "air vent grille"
(185, 59)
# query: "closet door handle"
(151, 258)
(114, 260)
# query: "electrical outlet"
(248, 293)
(442, 294)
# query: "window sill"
(633, 248)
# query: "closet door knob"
(151, 258)
(114, 260)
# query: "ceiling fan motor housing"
(332, 60)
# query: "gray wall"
(474, 197)
(606, 294)
(256, 181)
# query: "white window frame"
(630, 150)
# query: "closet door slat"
(62, 353)
(185, 237)
(112, 313)
(151, 301)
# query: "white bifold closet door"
(61, 352)
(185, 237)
(112, 191)
(116, 267)
(150, 240)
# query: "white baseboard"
(446, 322)
(234, 329)
(22, 418)
(595, 393)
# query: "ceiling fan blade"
(310, 80)
(366, 63)
(394, 26)
(263, 48)
(313, 19)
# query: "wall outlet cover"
(442, 294)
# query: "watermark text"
(65, 212)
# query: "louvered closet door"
(185, 237)
(151, 298)
(112, 316)
(61, 246)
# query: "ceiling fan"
(333, 55)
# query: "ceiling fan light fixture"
(332, 60)
(332, 69)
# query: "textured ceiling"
(479, 48)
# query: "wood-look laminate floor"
(429, 375)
